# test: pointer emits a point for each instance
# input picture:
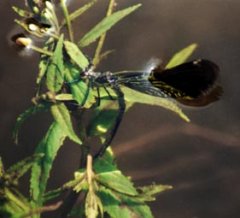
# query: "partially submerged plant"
(68, 82)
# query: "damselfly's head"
(193, 83)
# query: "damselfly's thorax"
(100, 78)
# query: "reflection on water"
(199, 162)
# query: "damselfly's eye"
(192, 83)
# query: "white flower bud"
(33, 27)
(23, 41)
(49, 5)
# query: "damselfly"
(192, 83)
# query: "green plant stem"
(101, 41)
(73, 196)
(40, 50)
(67, 18)
(18, 202)
(89, 170)
(78, 12)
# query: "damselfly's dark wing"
(139, 81)
(192, 83)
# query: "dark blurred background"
(200, 159)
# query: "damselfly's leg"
(112, 133)
(106, 90)
(98, 100)
(99, 97)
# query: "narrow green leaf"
(115, 202)
(44, 60)
(20, 168)
(28, 113)
(181, 56)
(82, 93)
(100, 206)
(49, 145)
(21, 12)
(55, 71)
(64, 97)
(76, 55)
(91, 209)
(106, 163)
(120, 205)
(104, 25)
(98, 50)
(138, 208)
(92, 205)
(121, 184)
(50, 195)
(133, 96)
(62, 117)
(43, 65)
(148, 193)
(14, 203)
(81, 10)
(113, 205)
(79, 89)
(81, 185)
(106, 171)
(78, 183)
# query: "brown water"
(201, 159)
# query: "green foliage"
(65, 92)
(104, 25)
(102, 119)
(93, 205)
(133, 96)
(181, 56)
(49, 146)
(21, 12)
(81, 10)
(106, 172)
(12, 203)
(79, 89)
(76, 55)
(55, 69)
(63, 119)
(112, 192)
